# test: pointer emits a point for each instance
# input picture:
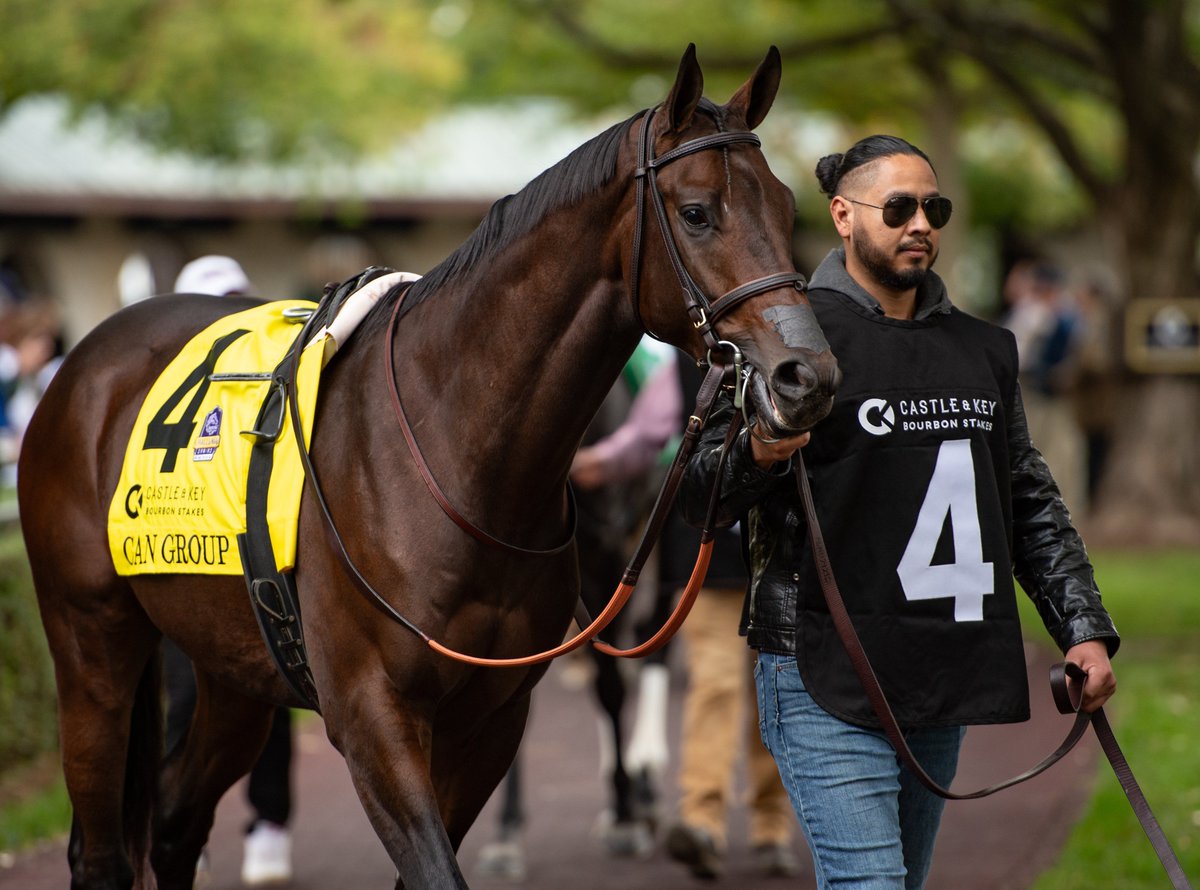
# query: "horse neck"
(501, 371)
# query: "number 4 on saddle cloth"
(212, 478)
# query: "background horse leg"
(649, 752)
(110, 728)
(504, 858)
(626, 833)
(226, 734)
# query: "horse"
(499, 357)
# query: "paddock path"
(1000, 843)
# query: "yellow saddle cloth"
(181, 500)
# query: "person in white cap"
(221, 276)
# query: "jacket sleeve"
(743, 483)
(1049, 558)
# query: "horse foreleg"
(225, 736)
(466, 773)
(388, 752)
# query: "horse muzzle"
(797, 394)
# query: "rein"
(1066, 700)
(431, 483)
(590, 628)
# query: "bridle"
(703, 313)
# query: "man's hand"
(766, 456)
(587, 470)
(1092, 656)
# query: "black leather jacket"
(1049, 557)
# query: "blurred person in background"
(1045, 322)
(1096, 372)
(718, 705)
(31, 350)
(267, 855)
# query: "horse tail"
(142, 764)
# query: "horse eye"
(694, 216)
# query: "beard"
(880, 264)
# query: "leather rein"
(1066, 698)
(703, 313)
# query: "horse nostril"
(794, 380)
(834, 377)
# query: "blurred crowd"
(1070, 354)
(31, 349)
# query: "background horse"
(503, 353)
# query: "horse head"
(726, 240)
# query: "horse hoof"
(633, 839)
(502, 861)
(629, 840)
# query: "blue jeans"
(870, 825)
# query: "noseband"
(703, 312)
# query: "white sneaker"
(268, 856)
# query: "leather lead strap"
(1066, 701)
(687, 599)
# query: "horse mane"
(589, 167)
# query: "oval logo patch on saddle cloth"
(181, 500)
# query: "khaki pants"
(719, 713)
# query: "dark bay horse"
(503, 354)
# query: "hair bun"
(829, 173)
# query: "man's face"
(896, 259)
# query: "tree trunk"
(1150, 489)
(1150, 493)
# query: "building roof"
(51, 165)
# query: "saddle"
(212, 475)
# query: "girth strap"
(273, 595)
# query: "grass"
(1155, 600)
(44, 812)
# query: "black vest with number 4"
(912, 484)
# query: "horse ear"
(754, 98)
(685, 94)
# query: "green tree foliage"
(870, 65)
(281, 79)
(270, 79)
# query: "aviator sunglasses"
(900, 209)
